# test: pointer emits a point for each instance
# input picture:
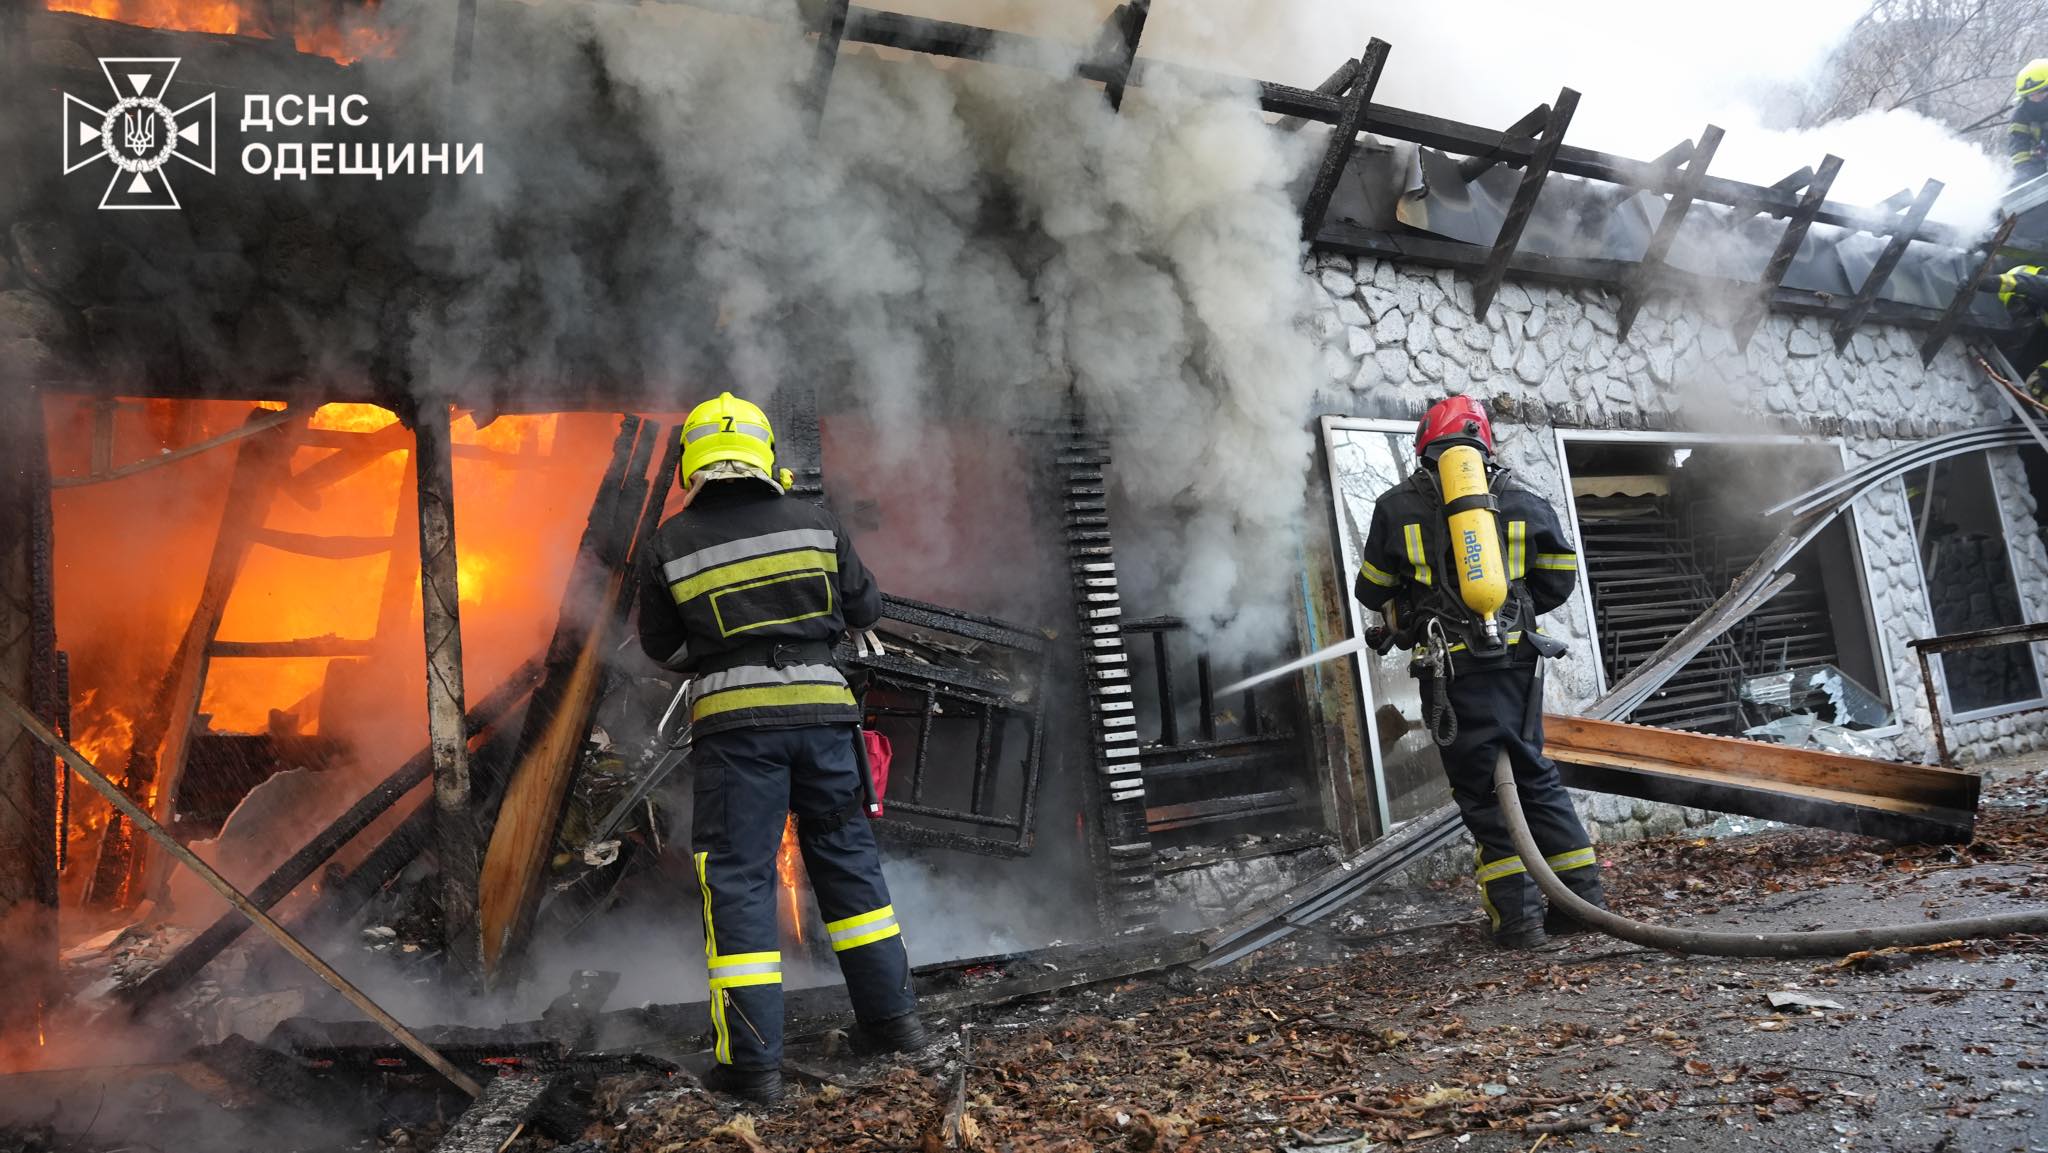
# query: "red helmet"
(1456, 418)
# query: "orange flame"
(344, 36)
(788, 863)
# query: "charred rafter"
(1531, 122)
(1845, 324)
(1698, 158)
(1524, 203)
(1966, 294)
(1344, 137)
(1788, 246)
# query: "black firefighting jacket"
(1407, 563)
(748, 590)
(2027, 140)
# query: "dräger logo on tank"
(139, 132)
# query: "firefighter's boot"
(901, 1034)
(1514, 906)
(760, 1086)
(1580, 872)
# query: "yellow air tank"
(1475, 535)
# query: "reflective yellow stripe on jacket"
(776, 578)
(1418, 557)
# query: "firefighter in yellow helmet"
(2024, 293)
(747, 591)
(2027, 135)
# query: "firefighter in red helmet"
(1461, 560)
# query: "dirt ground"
(1399, 1026)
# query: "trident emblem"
(139, 135)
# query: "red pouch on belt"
(878, 766)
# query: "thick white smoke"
(1649, 76)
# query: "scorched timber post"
(455, 832)
(28, 823)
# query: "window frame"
(1938, 665)
(1583, 591)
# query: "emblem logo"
(139, 132)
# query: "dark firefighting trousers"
(747, 781)
(1490, 705)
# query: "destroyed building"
(1669, 354)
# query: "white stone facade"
(1397, 337)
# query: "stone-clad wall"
(1397, 337)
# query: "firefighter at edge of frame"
(1482, 673)
(2027, 135)
(747, 591)
(2024, 293)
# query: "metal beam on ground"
(1343, 138)
(1796, 227)
(1698, 158)
(1894, 250)
(1966, 293)
(1524, 203)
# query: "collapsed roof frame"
(1534, 144)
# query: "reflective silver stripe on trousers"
(869, 929)
(723, 971)
(756, 676)
(692, 435)
(685, 567)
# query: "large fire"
(344, 31)
(131, 556)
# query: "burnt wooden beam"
(495, 1120)
(1532, 121)
(1894, 250)
(116, 796)
(394, 605)
(1125, 28)
(1638, 288)
(1338, 83)
(1966, 293)
(317, 545)
(258, 422)
(831, 31)
(300, 866)
(559, 718)
(1344, 137)
(1524, 203)
(1601, 272)
(1794, 235)
(321, 646)
(455, 825)
(28, 826)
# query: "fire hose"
(1820, 943)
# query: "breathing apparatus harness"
(1486, 608)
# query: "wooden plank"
(1632, 297)
(1894, 250)
(318, 545)
(298, 868)
(1966, 293)
(559, 717)
(455, 829)
(1794, 235)
(1343, 138)
(1524, 203)
(127, 870)
(28, 841)
(157, 833)
(1732, 795)
(320, 646)
(497, 1118)
(306, 484)
(1758, 761)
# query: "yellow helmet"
(727, 428)
(2033, 78)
